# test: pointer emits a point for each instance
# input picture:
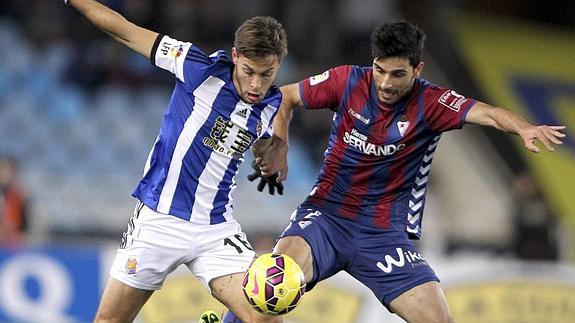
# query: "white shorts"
(156, 243)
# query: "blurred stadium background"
(79, 113)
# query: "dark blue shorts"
(385, 261)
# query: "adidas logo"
(243, 113)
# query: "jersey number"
(307, 220)
(237, 243)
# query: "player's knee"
(299, 250)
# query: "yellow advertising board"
(183, 298)
(529, 69)
(512, 301)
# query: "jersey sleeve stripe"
(155, 48)
(195, 56)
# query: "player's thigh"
(120, 302)
(297, 248)
(223, 250)
(317, 240)
(423, 303)
(228, 290)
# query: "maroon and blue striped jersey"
(378, 158)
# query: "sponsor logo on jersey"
(358, 116)
(221, 140)
(359, 141)
(413, 258)
(131, 265)
(452, 100)
(243, 113)
(314, 80)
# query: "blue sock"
(230, 317)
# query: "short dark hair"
(398, 39)
(259, 37)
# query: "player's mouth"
(253, 97)
(387, 95)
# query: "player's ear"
(418, 69)
(234, 55)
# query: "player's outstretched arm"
(109, 21)
(274, 157)
(508, 121)
(270, 164)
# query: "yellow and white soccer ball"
(274, 284)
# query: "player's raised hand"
(271, 181)
(548, 135)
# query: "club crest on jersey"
(402, 125)
(319, 78)
(259, 128)
(452, 100)
(131, 265)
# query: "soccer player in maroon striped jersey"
(367, 204)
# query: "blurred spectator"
(13, 204)
(534, 224)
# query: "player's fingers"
(552, 135)
(557, 127)
(556, 132)
(553, 138)
(253, 176)
(546, 142)
(271, 188)
(280, 187)
(545, 135)
(261, 185)
(282, 174)
(530, 145)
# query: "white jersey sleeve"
(170, 54)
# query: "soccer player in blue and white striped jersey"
(219, 108)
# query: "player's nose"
(385, 82)
(256, 82)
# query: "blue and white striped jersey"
(205, 132)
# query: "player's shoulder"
(345, 72)
(198, 56)
(220, 56)
(427, 88)
(349, 69)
